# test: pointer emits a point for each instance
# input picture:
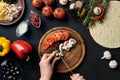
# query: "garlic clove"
(113, 64)
(106, 55)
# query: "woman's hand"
(77, 76)
(46, 66)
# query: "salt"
(22, 28)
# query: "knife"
(65, 63)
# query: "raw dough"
(107, 34)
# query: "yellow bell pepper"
(4, 46)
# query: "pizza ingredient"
(99, 30)
(47, 11)
(22, 28)
(4, 46)
(107, 55)
(59, 13)
(48, 2)
(37, 3)
(22, 49)
(67, 45)
(11, 70)
(13, 11)
(63, 2)
(78, 4)
(57, 53)
(57, 36)
(35, 19)
(82, 12)
(97, 10)
(113, 64)
(100, 15)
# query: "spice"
(22, 28)
(35, 19)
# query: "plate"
(73, 58)
(21, 3)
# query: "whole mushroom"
(97, 10)
(63, 2)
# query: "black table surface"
(92, 67)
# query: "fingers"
(44, 56)
(77, 76)
(54, 61)
(51, 56)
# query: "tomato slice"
(54, 37)
(57, 36)
(66, 35)
(45, 45)
(50, 40)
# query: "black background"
(92, 67)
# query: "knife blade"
(66, 65)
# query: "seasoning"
(22, 28)
(35, 19)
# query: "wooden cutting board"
(73, 58)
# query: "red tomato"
(59, 13)
(37, 3)
(47, 11)
(48, 2)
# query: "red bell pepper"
(22, 49)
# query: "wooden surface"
(74, 57)
(21, 3)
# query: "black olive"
(9, 77)
(4, 67)
(18, 72)
(14, 73)
(13, 78)
(16, 68)
(11, 70)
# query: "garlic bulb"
(63, 2)
(113, 64)
(107, 55)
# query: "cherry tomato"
(37, 3)
(48, 2)
(47, 11)
(59, 13)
